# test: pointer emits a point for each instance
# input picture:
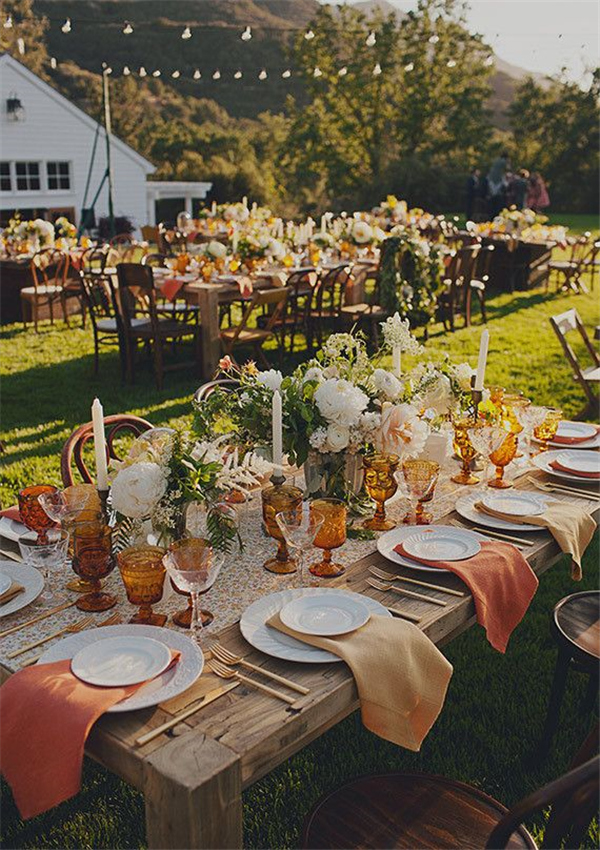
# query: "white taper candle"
(99, 445)
(277, 432)
(481, 363)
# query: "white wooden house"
(46, 145)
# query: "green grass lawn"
(496, 704)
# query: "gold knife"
(206, 700)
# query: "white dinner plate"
(580, 461)
(30, 578)
(5, 582)
(442, 544)
(253, 626)
(115, 662)
(544, 459)
(174, 681)
(576, 430)
(326, 614)
(515, 503)
(387, 542)
(13, 530)
(466, 508)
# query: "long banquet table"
(192, 779)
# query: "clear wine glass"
(300, 528)
(530, 418)
(48, 557)
(194, 566)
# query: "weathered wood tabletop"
(192, 778)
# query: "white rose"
(271, 379)
(438, 396)
(137, 489)
(463, 373)
(338, 437)
(315, 373)
(340, 402)
(387, 383)
(362, 232)
(216, 249)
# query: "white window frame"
(28, 191)
(71, 188)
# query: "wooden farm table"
(192, 781)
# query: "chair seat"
(362, 309)
(110, 325)
(248, 335)
(592, 373)
(406, 811)
(577, 618)
(170, 308)
(323, 314)
(562, 265)
(45, 290)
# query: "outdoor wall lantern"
(15, 109)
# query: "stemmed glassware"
(464, 449)
(331, 535)
(546, 430)
(275, 500)
(33, 515)
(381, 485)
(530, 418)
(497, 445)
(93, 560)
(48, 557)
(194, 566)
(66, 507)
(420, 478)
(300, 527)
(143, 574)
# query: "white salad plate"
(388, 541)
(515, 503)
(442, 544)
(544, 459)
(580, 461)
(588, 434)
(172, 682)
(15, 531)
(115, 662)
(465, 507)
(326, 614)
(253, 625)
(5, 582)
(29, 578)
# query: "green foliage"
(29, 26)
(410, 278)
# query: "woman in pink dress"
(537, 196)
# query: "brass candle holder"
(275, 499)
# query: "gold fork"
(378, 573)
(229, 658)
(113, 620)
(225, 672)
(564, 489)
(387, 585)
(74, 627)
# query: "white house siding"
(54, 130)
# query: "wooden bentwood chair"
(72, 452)
(49, 270)
(274, 300)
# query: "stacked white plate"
(578, 431)
(435, 543)
(28, 577)
(515, 502)
(582, 461)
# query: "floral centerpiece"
(28, 236)
(166, 473)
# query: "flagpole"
(108, 131)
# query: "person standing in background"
(497, 184)
(520, 187)
(537, 196)
(473, 192)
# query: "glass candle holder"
(32, 513)
(183, 618)
(93, 560)
(381, 485)
(275, 500)
(330, 536)
(464, 449)
(546, 431)
(143, 574)
(420, 477)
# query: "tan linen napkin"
(401, 676)
(12, 591)
(570, 525)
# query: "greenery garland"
(410, 279)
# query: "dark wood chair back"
(273, 300)
(300, 285)
(206, 390)
(137, 296)
(157, 261)
(72, 452)
(483, 263)
(49, 267)
(328, 294)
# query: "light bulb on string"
(286, 74)
(187, 33)
(237, 75)
(409, 67)
(433, 39)
(21, 46)
(263, 75)
(142, 72)
(156, 73)
(176, 74)
(197, 75)
(66, 27)
(489, 61)
(309, 35)
(53, 63)
(126, 71)
(343, 71)
(377, 70)
(8, 23)
(371, 40)
(451, 63)
(247, 34)
(317, 72)
(216, 75)
(127, 29)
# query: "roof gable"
(7, 60)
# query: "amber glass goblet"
(514, 405)
(420, 477)
(330, 536)
(93, 560)
(546, 431)
(74, 504)
(501, 458)
(275, 499)
(497, 445)
(32, 513)
(183, 618)
(381, 485)
(143, 574)
(464, 449)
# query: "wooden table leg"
(208, 302)
(193, 792)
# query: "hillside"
(156, 43)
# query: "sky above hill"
(540, 35)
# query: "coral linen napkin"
(572, 441)
(502, 583)
(171, 288)
(401, 676)
(47, 714)
(12, 513)
(570, 525)
(590, 476)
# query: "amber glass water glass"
(548, 428)
(93, 560)
(464, 449)
(183, 618)
(501, 458)
(32, 513)
(420, 477)
(330, 536)
(280, 497)
(143, 574)
(381, 485)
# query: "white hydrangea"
(314, 373)
(271, 378)
(463, 373)
(387, 384)
(136, 490)
(340, 402)
(362, 232)
(216, 249)
(438, 395)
